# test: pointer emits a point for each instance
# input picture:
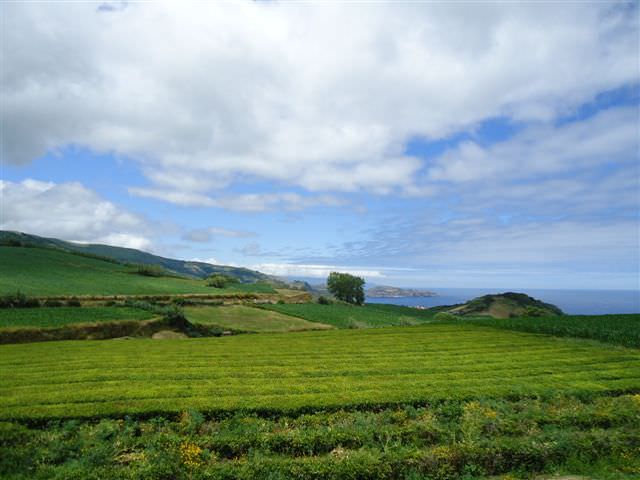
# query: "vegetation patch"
(47, 317)
(250, 319)
(598, 436)
(303, 371)
(349, 316)
(51, 273)
(617, 329)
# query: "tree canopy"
(346, 287)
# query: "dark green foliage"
(346, 287)
(73, 302)
(219, 280)
(150, 271)
(445, 316)
(617, 329)
(52, 303)
(18, 300)
(517, 302)
(456, 440)
(322, 300)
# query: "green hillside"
(130, 255)
(50, 272)
(506, 305)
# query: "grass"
(467, 440)
(56, 317)
(240, 317)
(302, 371)
(347, 316)
(617, 329)
(47, 272)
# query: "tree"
(347, 288)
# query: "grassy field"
(286, 372)
(56, 317)
(347, 316)
(618, 329)
(46, 272)
(240, 317)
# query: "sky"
(424, 144)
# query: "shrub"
(219, 280)
(151, 270)
(322, 300)
(445, 316)
(18, 300)
(532, 311)
(73, 302)
(53, 303)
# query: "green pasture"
(294, 371)
(349, 316)
(250, 319)
(46, 317)
(48, 272)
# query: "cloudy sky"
(418, 144)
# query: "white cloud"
(321, 96)
(248, 202)
(314, 271)
(69, 211)
(204, 235)
(608, 137)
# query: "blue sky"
(294, 139)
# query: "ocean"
(574, 302)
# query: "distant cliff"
(395, 292)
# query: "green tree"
(347, 288)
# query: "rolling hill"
(51, 272)
(133, 256)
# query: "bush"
(53, 303)
(73, 302)
(532, 311)
(151, 270)
(322, 300)
(18, 300)
(219, 280)
(445, 316)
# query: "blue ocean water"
(574, 302)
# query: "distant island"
(384, 291)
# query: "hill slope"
(131, 255)
(50, 272)
(505, 305)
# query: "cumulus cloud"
(319, 96)
(314, 271)
(69, 211)
(611, 136)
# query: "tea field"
(302, 371)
